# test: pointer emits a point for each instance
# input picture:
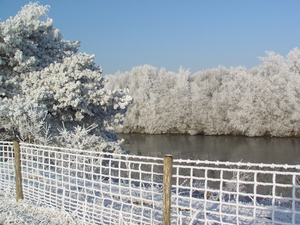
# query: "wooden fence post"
(18, 174)
(167, 185)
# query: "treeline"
(264, 100)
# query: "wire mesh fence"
(97, 187)
(7, 171)
(106, 188)
(235, 193)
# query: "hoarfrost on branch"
(264, 100)
(41, 73)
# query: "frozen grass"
(22, 212)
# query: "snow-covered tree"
(29, 42)
(264, 100)
(161, 99)
(40, 72)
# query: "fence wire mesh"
(7, 171)
(106, 188)
(235, 193)
(98, 187)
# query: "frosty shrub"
(43, 82)
(264, 100)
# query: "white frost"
(264, 100)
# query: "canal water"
(222, 148)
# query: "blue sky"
(194, 34)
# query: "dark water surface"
(222, 148)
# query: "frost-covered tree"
(29, 42)
(264, 100)
(41, 74)
(161, 99)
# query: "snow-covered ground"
(22, 212)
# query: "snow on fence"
(106, 188)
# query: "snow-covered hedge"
(50, 93)
(264, 100)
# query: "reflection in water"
(222, 148)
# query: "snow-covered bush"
(264, 100)
(40, 72)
